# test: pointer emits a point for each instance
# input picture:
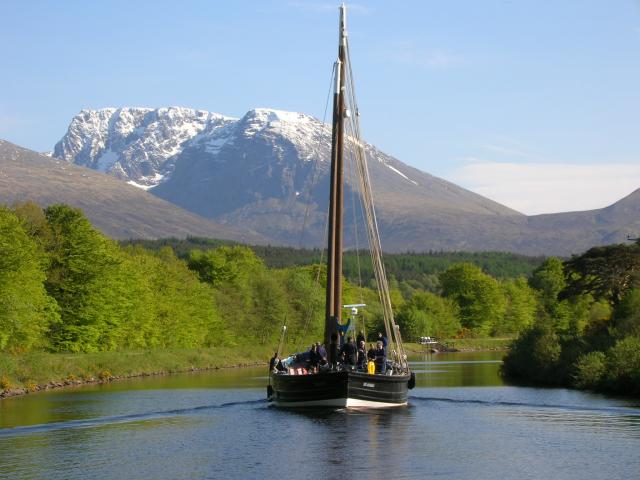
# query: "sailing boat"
(337, 384)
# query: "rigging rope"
(350, 175)
(315, 170)
(392, 330)
(358, 154)
(315, 175)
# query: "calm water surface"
(463, 423)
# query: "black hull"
(339, 389)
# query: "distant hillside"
(119, 210)
(576, 232)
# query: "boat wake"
(582, 408)
(617, 419)
(119, 419)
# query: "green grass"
(467, 344)
(40, 368)
(501, 343)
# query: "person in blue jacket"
(385, 342)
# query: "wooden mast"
(333, 310)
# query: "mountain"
(119, 210)
(582, 230)
(135, 144)
(269, 171)
(266, 171)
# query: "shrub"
(534, 355)
(31, 386)
(428, 314)
(590, 370)
(623, 366)
(627, 314)
(5, 384)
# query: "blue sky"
(534, 103)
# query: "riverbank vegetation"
(67, 289)
(43, 370)
(587, 328)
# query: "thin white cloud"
(535, 188)
(512, 151)
(508, 147)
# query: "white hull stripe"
(340, 402)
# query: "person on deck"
(385, 342)
(342, 329)
(381, 358)
(322, 352)
(362, 356)
(276, 364)
(314, 358)
(349, 352)
(334, 350)
(273, 362)
(360, 338)
(371, 353)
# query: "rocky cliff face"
(136, 144)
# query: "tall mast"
(333, 310)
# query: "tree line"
(409, 270)
(65, 287)
(586, 333)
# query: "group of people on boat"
(346, 354)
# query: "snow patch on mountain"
(269, 115)
(143, 145)
(308, 135)
(399, 173)
(216, 137)
(106, 160)
(136, 144)
(150, 182)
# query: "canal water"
(463, 422)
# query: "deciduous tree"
(478, 296)
(26, 311)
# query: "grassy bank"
(473, 344)
(467, 344)
(39, 370)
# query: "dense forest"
(587, 328)
(419, 270)
(65, 287)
